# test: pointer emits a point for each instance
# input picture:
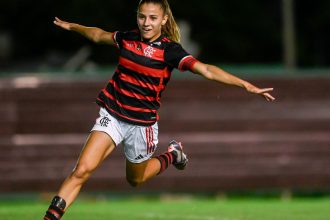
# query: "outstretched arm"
(94, 34)
(216, 74)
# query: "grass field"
(194, 209)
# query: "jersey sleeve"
(176, 57)
(118, 38)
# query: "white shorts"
(139, 142)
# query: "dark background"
(228, 32)
(235, 141)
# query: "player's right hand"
(63, 24)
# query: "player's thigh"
(142, 171)
(135, 170)
(97, 147)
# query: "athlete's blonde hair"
(170, 29)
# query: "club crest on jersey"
(148, 51)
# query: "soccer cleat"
(181, 160)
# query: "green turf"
(231, 209)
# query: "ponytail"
(170, 29)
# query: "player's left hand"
(263, 92)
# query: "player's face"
(150, 19)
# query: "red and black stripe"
(150, 140)
(165, 160)
(133, 95)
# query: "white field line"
(185, 217)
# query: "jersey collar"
(153, 42)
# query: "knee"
(81, 171)
(134, 182)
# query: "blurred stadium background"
(236, 142)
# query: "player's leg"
(97, 147)
(138, 173)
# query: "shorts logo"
(139, 157)
(104, 121)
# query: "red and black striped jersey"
(133, 94)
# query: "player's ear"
(165, 18)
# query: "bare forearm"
(219, 75)
(94, 34)
(91, 33)
(216, 74)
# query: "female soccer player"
(129, 102)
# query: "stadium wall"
(235, 141)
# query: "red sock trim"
(165, 160)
